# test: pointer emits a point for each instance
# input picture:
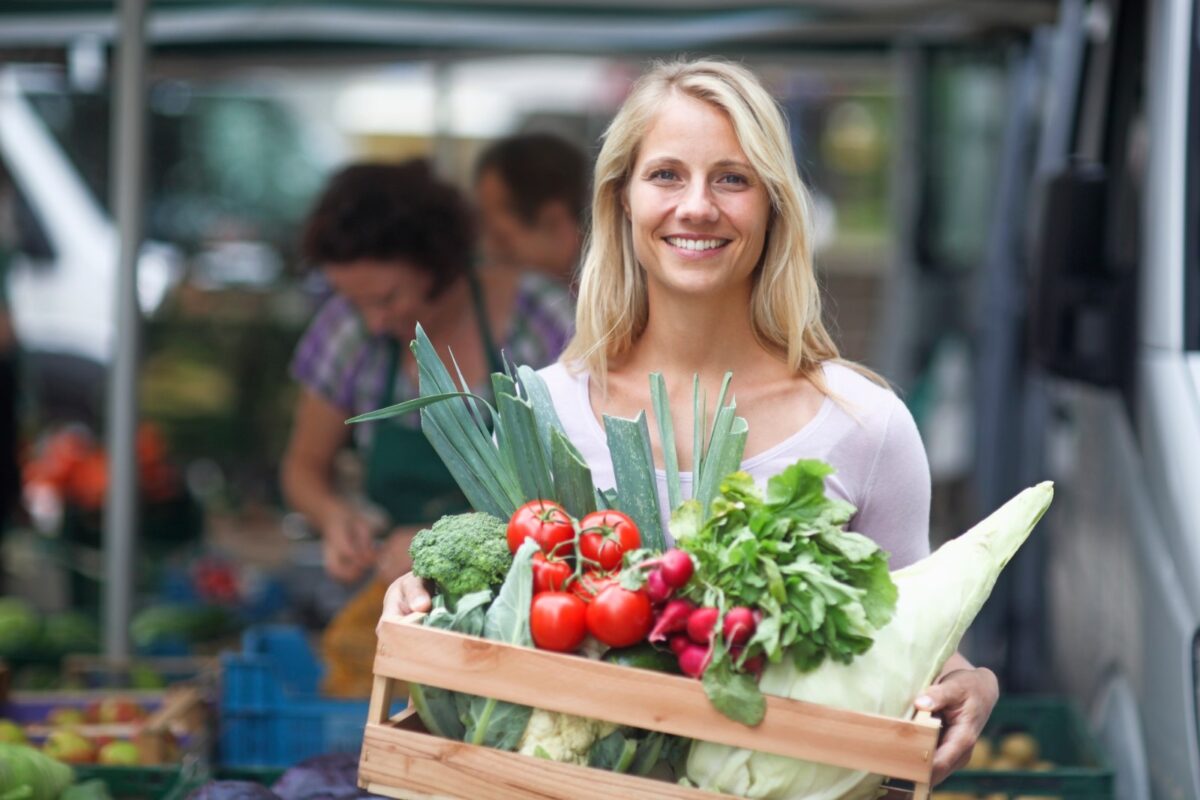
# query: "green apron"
(405, 476)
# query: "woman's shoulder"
(849, 386)
(335, 328)
(871, 410)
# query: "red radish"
(739, 625)
(657, 588)
(672, 619)
(678, 643)
(701, 623)
(694, 660)
(676, 568)
(754, 665)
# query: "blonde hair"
(785, 302)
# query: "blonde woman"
(700, 263)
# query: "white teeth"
(695, 244)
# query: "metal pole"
(121, 516)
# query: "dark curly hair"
(390, 212)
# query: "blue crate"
(271, 713)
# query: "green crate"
(133, 783)
(1081, 772)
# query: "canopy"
(543, 25)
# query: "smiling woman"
(700, 263)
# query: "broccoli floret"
(463, 553)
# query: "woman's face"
(699, 212)
(390, 296)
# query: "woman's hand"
(964, 699)
(407, 594)
(348, 545)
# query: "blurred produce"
(1033, 747)
(69, 463)
(348, 645)
(176, 627)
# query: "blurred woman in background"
(395, 243)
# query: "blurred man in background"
(531, 191)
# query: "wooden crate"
(399, 759)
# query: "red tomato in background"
(591, 583)
(544, 521)
(557, 621)
(550, 574)
(614, 535)
(619, 617)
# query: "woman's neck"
(705, 336)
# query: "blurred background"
(952, 148)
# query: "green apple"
(119, 753)
(11, 732)
(69, 746)
(66, 715)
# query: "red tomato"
(619, 617)
(557, 621)
(549, 574)
(605, 536)
(545, 522)
(590, 584)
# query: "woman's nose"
(697, 204)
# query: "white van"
(1100, 370)
(62, 278)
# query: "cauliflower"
(462, 553)
(562, 737)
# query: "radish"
(701, 623)
(678, 643)
(677, 568)
(694, 660)
(657, 588)
(739, 625)
(672, 619)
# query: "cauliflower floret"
(562, 737)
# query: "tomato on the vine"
(550, 574)
(591, 583)
(557, 621)
(544, 521)
(619, 617)
(606, 536)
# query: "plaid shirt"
(342, 362)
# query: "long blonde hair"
(785, 302)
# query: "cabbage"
(938, 598)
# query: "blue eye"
(734, 178)
(663, 175)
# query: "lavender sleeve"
(895, 507)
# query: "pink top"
(867, 435)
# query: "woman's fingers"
(964, 700)
(405, 595)
(416, 593)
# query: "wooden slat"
(415, 766)
(646, 699)
(382, 691)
